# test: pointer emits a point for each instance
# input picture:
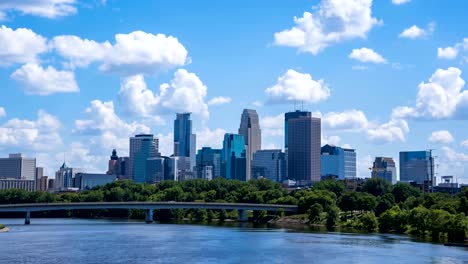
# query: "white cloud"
(331, 140)
(347, 120)
(40, 134)
(332, 21)
(257, 103)
(272, 125)
(42, 8)
(295, 86)
(219, 100)
(441, 98)
(363, 165)
(185, 93)
(2, 112)
(20, 46)
(36, 80)
(346, 146)
(166, 144)
(441, 136)
(392, 131)
(447, 53)
(464, 143)
(367, 55)
(452, 52)
(210, 138)
(413, 32)
(399, 2)
(134, 53)
(452, 155)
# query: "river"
(121, 241)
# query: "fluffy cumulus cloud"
(400, 2)
(332, 21)
(210, 138)
(2, 112)
(295, 86)
(354, 120)
(272, 125)
(20, 45)
(464, 143)
(441, 136)
(219, 100)
(330, 140)
(393, 131)
(415, 32)
(42, 8)
(451, 52)
(366, 55)
(35, 79)
(185, 93)
(40, 134)
(440, 98)
(133, 53)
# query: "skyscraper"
(384, 168)
(287, 116)
(270, 164)
(142, 147)
(338, 162)
(417, 166)
(65, 177)
(209, 157)
(233, 157)
(113, 166)
(184, 141)
(304, 136)
(16, 166)
(250, 129)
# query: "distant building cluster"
(303, 162)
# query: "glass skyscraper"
(270, 164)
(384, 168)
(233, 157)
(304, 145)
(184, 141)
(209, 157)
(250, 129)
(417, 166)
(142, 148)
(338, 162)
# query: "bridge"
(241, 208)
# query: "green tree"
(314, 213)
(334, 186)
(402, 191)
(384, 202)
(393, 220)
(332, 216)
(456, 228)
(376, 186)
(366, 202)
(367, 221)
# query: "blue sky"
(79, 77)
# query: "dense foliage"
(376, 205)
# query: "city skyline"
(373, 84)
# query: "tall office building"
(155, 169)
(113, 165)
(250, 129)
(270, 164)
(209, 157)
(338, 162)
(304, 136)
(16, 166)
(38, 176)
(65, 177)
(287, 116)
(184, 141)
(384, 168)
(417, 166)
(233, 157)
(142, 147)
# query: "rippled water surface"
(105, 241)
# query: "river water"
(121, 241)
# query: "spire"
(114, 155)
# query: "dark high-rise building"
(417, 166)
(338, 162)
(184, 141)
(384, 168)
(208, 157)
(142, 147)
(250, 129)
(304, 136)
(233, 157)
(270, 164)
(113, 165)
(16, 166)
(288, 116)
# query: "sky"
(79, 77)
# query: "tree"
(393, 220)
(366, 202)
(325, 198)
(456, 228)
(332, 216)
(367, 222)
(348, 202)
(314, 213)
(384, 203)
(376, 186)
(334, 186)
(402, 191)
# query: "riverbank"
(3, 228)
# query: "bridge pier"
(27, 218)
(242, 215)
(149, 216)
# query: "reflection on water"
(123, 241)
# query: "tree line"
(376, 205)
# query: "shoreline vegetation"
(3, 228)
(376, 206)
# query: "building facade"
(209, 157)
(184, 141)
(384, 168)
(87, 181)
(65, 177)
(16, 166)
(250, 129)
(304, 145)
(417, 166)
(338, 162)
(28, 185)
(142, 147)
(269, 164)
(233, 157)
